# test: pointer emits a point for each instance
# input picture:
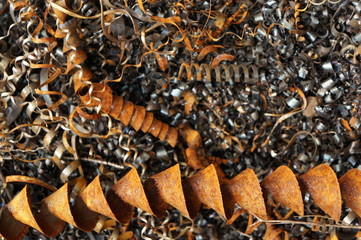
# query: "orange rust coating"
(163, 131)
(148, 120)
(193, 158)
(350, 184)
(80, 76)
(172, 136)
(155, 128)
(97, 94)
(138, 117)
(116, 107)
(192, 137)
(163, 190)
(323, 179)
(288, 186)
(126, 112)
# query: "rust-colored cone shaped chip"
(127, 112)
(10, 228)
(244, 190)
(323, 186)
(107, 99)
(50, 224)
(172, 136)
(283, 186)
(80, 216)
(163, 131)
(94, 199)
(117, 106)
(138, 117)
(147, 123)
(350, 185)
(204, 188)
(155, 128)
(166, 188)
(20, 207)
(128, 192)
(18, 212)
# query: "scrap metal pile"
(207, 116)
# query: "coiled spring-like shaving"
(94, 94)
(127, 112)
(313, 46)
(167, 188)
(224, 72)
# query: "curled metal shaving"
(205, 187)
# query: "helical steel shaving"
(235, 73)
(166, 189)
(127, 112)
(294, 63)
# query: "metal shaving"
(277, 46)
